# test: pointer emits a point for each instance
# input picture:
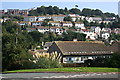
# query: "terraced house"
(79, 51)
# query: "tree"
(102, 25)
(75, 11)
(98, 12)
(50, 10)
(107, 14)
(69, 36)
(62, 11)
(56, 10)
(86, 22)
(41, 10)
(86, 12)
(37, 36)
(68, 18)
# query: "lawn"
(73, 69)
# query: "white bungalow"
(36, 23)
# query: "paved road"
(60, 75)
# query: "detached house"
(47, 45)
(75, 17)
(58, 17)
(57, 30)
(79, 51)
(89, 34)
(79, 25)
(36, 23)
(116, 30)
(54, 23)
(30, 18)
(97, 19)
(42, 29)
(31, 29)
(23, 23)
(41, 18)
(67, 24)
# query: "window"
(69, 59)
(81, 58)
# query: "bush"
(47, 63)
(113, 62)
(28, 65)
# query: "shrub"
(47, 63)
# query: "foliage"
(56, 10)
(113, 61)
(114, 36)
(69, 36)
(75, 11)
(37, 36)
(15, 45)
(47, 63)
(67, 18)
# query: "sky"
(111, 7)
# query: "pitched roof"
(36, 21)
(31, 28)
(54, 22)
(30, 16)
(41, 27)
(83, 48)
(24, 22)
(48, 44)
(79, 23)
(67, 22)
(56, 27)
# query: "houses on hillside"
(42, 29)
(16, 12)
(42, 18)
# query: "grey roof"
(48, 44)
(83, 48)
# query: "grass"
(73, 69)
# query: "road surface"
(59, 75)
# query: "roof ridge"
(81, 41)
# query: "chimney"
(74, 40)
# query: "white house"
(74, 17)
(58, 17)
(36, 23)
(79, 25)
(116, 30)
(31, 29)
(55, 23)
(57, 30)
(42, 29)
(67, 24)
(105, 35)
(96, 29)
(107, 22)
(106, 30)
(23, 23)
(30, 18)
(89, 34)
(96, 19)
(41, 18)
(71, 15)
(89, 19)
